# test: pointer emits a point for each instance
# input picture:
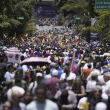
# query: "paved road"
(47, 28)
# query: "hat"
(105, 70)
(55, 73)
(101, 106)
(105, 62)
(69, 78)
(77, 60)
(39, 75)
(97, 66)
(44, 67)
(52, 64)
(20, 69)
(64, 87)
(83, 62)
(27, 50)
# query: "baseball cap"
(97, 66)
(83, 62)
(105, 62)
(69, 78)
(39, 75)
(64, 87)
(27, 50)
(55, 73)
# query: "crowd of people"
(60, 84)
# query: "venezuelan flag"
(41, 37)
(58, 45)
(61, 44)
(74, 67)
(76, 38)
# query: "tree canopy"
(10, 10)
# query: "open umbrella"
(94, 43)
(34, 61)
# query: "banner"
(45, 11)
(14, 57)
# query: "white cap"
(52, 64)
(55, 73)
(69, 78)
(101, 106)
(39, 75)
(27, 50)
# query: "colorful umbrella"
(34, 61)
(94, 43)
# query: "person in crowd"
(70, 83)
(7, 106)
(86, 73)
(52, 82)
(66, 98)
(97, 97)
(79, 89)
(34, 84)
(16, 101)
(67, 73)
(47, 75)
(57, 86)
(9, 74)
(106, 84)
(87, 98)
(97, 69)
(91, 84)
(9, 84)
(42, 103)
(27, 97)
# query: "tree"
(10, 10)
(103, 27)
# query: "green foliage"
(10, 10)
(57, 4)
(77, 6)
(103, 26)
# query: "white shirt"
(91, 85)
(25, 68)
(96, 70)
(86, 66)
(106, 87)
(9, 75)
(47, 105)
(101, 79)
(64, 76)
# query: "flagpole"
(72, 60)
